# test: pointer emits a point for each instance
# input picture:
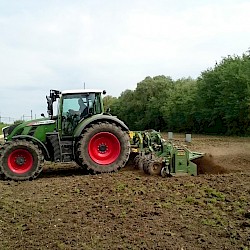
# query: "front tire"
(103, 148)
(20, 160)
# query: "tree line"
(217, 102)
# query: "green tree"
(142, 108)
(223, 97)
(108, 101)
(150, 95)
(123, 108)
(18, 121)
(179, 106)
(217, 102)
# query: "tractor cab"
(74, 106)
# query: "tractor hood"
(34, 128)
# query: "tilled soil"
(66, 209)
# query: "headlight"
(5, 131)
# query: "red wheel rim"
(104, 148)
(20, 161)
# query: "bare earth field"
(66, 209)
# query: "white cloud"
(110, 44)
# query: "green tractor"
(81, 132)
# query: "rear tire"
(20, 160)
(103, 148)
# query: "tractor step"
(67, 151)
(62, 149)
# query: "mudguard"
(37, 141)
(98, 118)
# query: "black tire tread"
(83, 158)
(6, 147)
(55, 143)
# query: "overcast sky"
(110, 44)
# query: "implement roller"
(157, 156)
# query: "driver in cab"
(83, 110)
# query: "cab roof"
(79, 91)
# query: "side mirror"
(43, 115)
(104, 92)
(50, 106)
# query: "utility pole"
(31, 114)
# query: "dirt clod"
(206, 165)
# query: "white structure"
(170, 135)
(188, 138)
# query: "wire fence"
(5, 119)
(10, 120)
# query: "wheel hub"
(102, 148)
(20, 160)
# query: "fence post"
(170, 135)
(188, 138)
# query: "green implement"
(158, 156)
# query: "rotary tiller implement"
(156, 156)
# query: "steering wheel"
(72, 113)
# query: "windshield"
(77, 102)
(78, 106)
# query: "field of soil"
(66, 209)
